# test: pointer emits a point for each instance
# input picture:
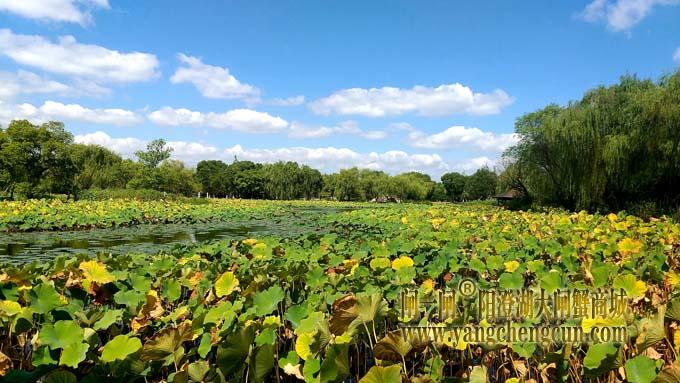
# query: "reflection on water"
(26, 247)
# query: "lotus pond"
(324, 306)
(25, 247)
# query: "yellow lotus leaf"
(437, 222)
(587, 324)
(633, 287)
(226, 284)
(272, 320)
(676, 340)
(402, 262)
(346, 337)
(250, 241)
(612, 217)
(96, 272)
(511, 266)
(629, 246)
(379, 263)
(673, 278)
(404, 220)
(9, 308)
(428, 286)
(303, 344)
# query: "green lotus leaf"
(267, 301)
(61, 334)
(41, 356)
(379, 374)
(494, 262)
(44, 298)
(110, 317)
(73, 354)
(172, 290)
(335, 366)
(198, 370)
(511, 281)
(309, 370)
(551, 281)
(267, 336)
(598, 355)
(130, 298)
(640, 369)
(262, 363)
(120, 348)
(205, 345)
(479, 374)
(233, 352)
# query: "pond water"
(17, 248)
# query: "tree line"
(40, 160)
(618, 147)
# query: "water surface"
(19, 248)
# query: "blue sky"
(393, 85)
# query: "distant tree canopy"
(39, 160)
(616, 146)
(36, 159)
(156, 152)
(482, 184)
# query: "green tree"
(98, 167)
(156, 152)
(481, 184)
(213, 177)
(439, 193)
(175, 178)
(347, 185)
(616, 146)
(454, 183)
(36, 159)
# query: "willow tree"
(617, 145)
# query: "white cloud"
(24, 82)
(470, 165)
(330, 159)
(462, 137)
(326, 159)
(124, 146)
(676, 56)
(290, 101)
(212, 81)
(402, 126)
(298, 130)
(621, 15)
(85, 61)
(52, 110)
(243, 120)
(70, 11)
(389, 101)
